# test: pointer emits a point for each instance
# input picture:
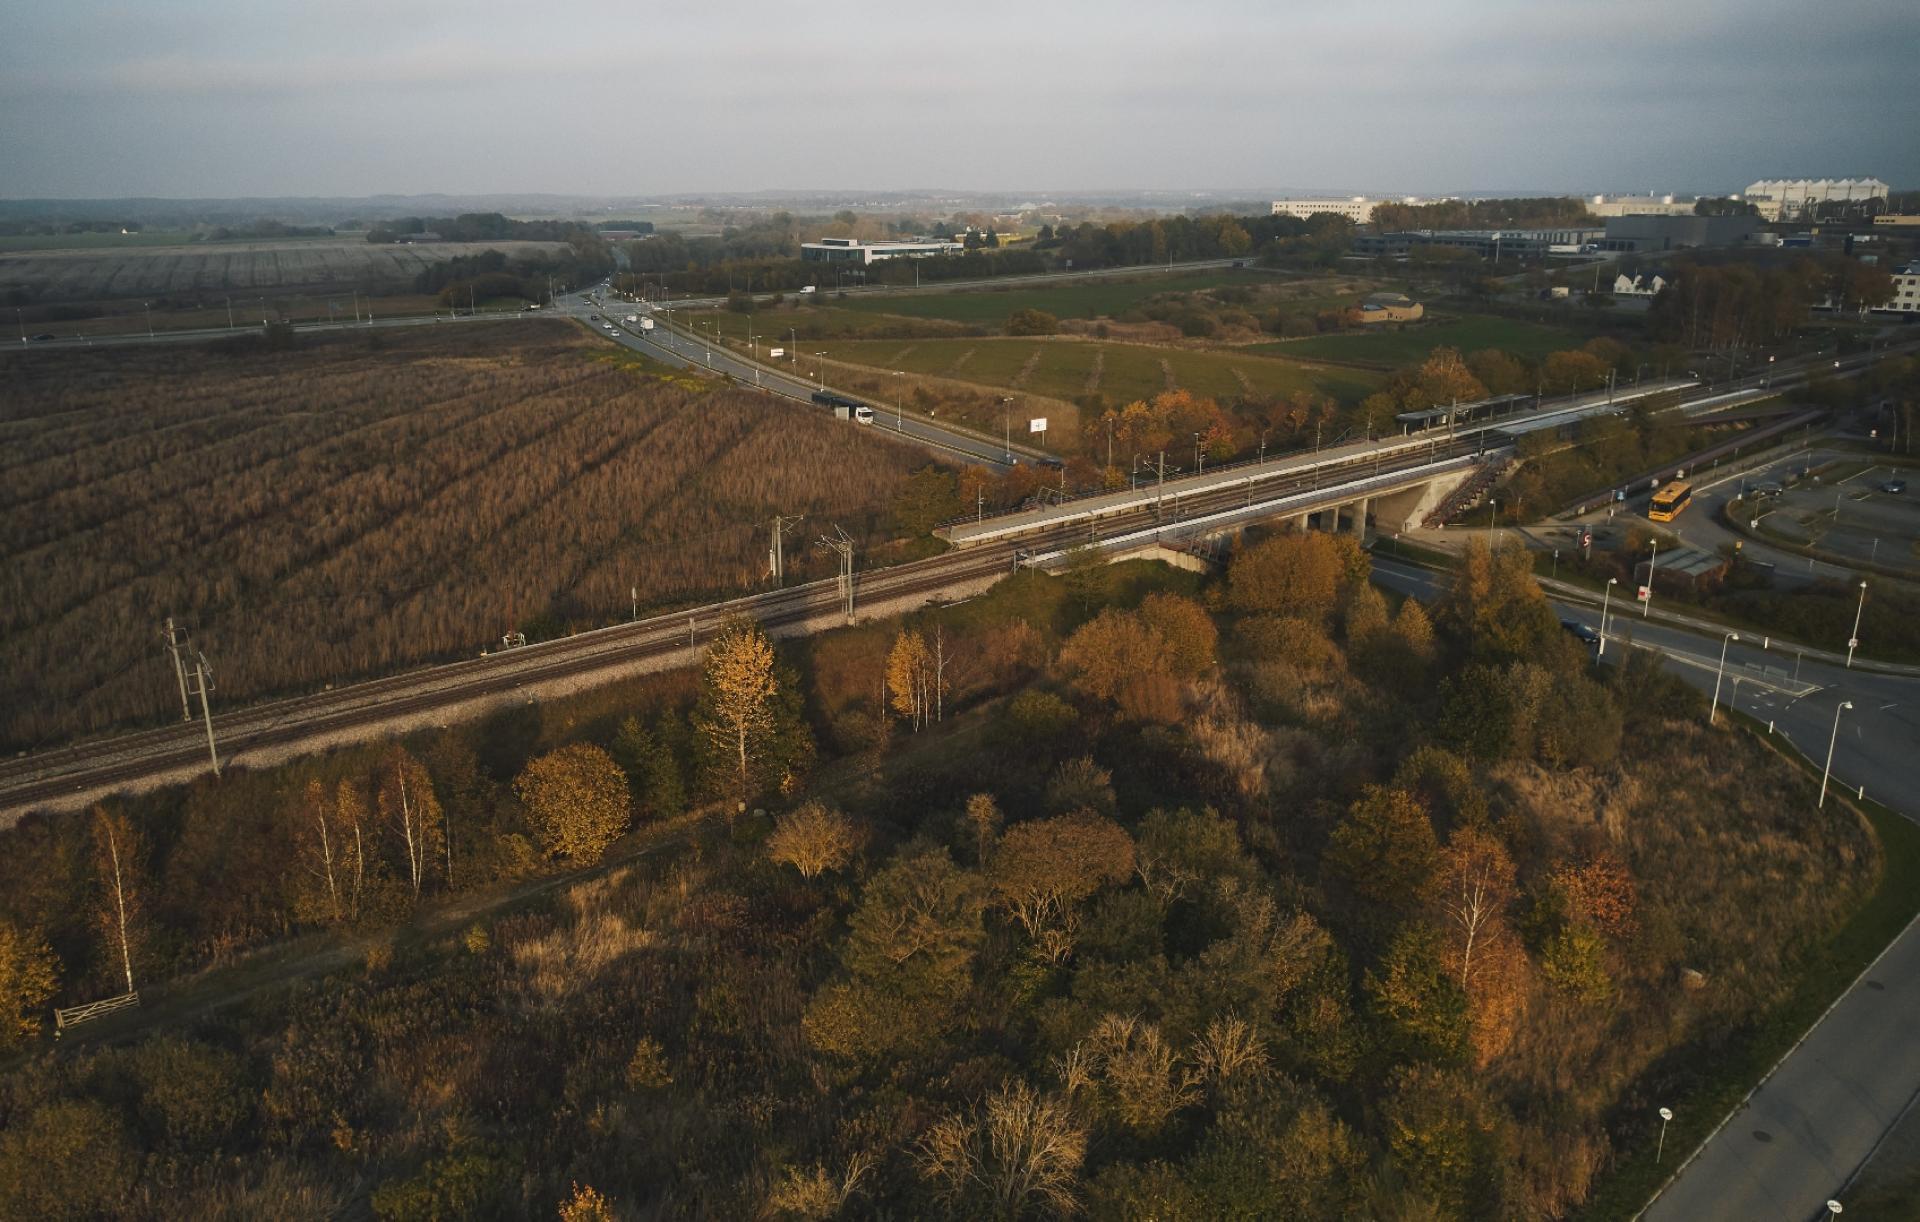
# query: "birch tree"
(407, 804)
(117, 851)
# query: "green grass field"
(1064, 369)
(1404, 346)
(1094, 298)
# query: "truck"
(633, 320)
(844, 408)
(646, 324)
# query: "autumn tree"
(909, 953)
(1600, 891)
(748, 717)
(1180, 852)
(576, 798)
(29, 976)
(1474, 887)
(982, 820)
(1131, 1073)
(1080, 784)
(1574, 370)
(1189, 634)
(1416, 1002)
(118, 862)
(322, 854)
(1496, 605)
(916, 676)
(813, 838)
(1043, 867)
(407, 803)
(1445, 1133)
(1303, 575)
(586, 1204)
(1018, 1151)
(1385, 847)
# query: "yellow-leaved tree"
(28, 979)
(737, 704)
(577, 799)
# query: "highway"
(668, 343)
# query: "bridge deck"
(1359, 458)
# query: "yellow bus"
(1669, 501)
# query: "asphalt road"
(667, 344)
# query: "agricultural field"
(351, 506)
(1069, 369)
(93, 241)
(231, 267)
(1399, 346)
(1092, 298)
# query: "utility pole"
(841, 546)
(174, 639)
(202, 685)
(1646, 603)
(776, 554)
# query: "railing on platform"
(73, 1016)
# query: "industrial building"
(852, 250)
(1790, 199)
(1489, 243)
(1390, 307)
(1636, 233)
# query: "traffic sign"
(1642, 596)
(1853, 642)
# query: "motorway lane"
(673, 347)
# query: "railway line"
(72, 775)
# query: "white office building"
(1787, 199)
(852, 250)
(1906, 292)
(1358, 209)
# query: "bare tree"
(319, 844)
(407, 802)
(1020, 1149)
(116, 861)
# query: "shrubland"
(1126, 893)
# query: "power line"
(841, 546)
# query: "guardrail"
(73, 1016)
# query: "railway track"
(96, 767)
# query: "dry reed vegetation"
(336, 511)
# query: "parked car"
(1767, 489)
(44, 335)
(1894, 487)
(1581, 631)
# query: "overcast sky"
(207, 98)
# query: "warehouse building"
(852, 250)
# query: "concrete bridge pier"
(1359, 511)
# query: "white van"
(863, 415)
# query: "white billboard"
(1037, 425)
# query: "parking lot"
(1844, 510)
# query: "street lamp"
(1606, 596)
(1646, 604)
(899, 415)
(1666, 1116)
(1714, 708)
(1833, 1210)
(820, 368)
(1834, 738)
(1853, 642)
(1006, 402)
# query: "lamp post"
(1834, 738)
(1666, 1117)
(1853, 642)
(899, 413)
(820, 369)
(1834, 1209)
(148, 306)
(1606, 596)
(1647, 603)
(1714, 708)
(1006, 402)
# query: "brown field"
(231, 267)
(339, 510)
